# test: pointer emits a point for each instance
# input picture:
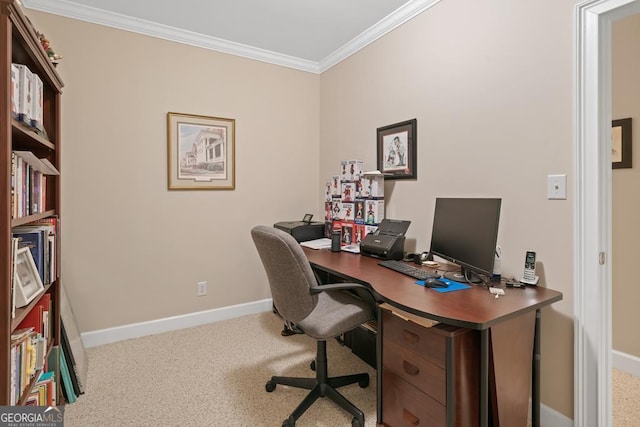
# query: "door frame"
(592, 214)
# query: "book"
(46, 385)
(35, 240)
(38, 318)
(67, 388)
(14, 160)
(71, 364)
(14, 254)
(29, 182)
(15, 91)
(25, 93)
(37, 237)
(54, 224)
(26, 348)
(77, 354)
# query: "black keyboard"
(409, 270)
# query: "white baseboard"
(626, 362)
(551, 418)
(136, 330)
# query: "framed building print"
(201, 152)
(396, 145)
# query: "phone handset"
(529, 275)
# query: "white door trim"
(592, 222)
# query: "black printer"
(387, 242)
(302, 230)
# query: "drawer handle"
(410, 369)
(410, 419)
(410, 337)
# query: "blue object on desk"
(453, 286)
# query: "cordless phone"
(529, 275)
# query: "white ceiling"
(311, 35)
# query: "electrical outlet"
(202, 289)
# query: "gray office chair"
(320, 311)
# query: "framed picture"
(27, 282)
(397, 150)
(621, 143)
(201, 152)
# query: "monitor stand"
(459, 276)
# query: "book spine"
(13, 185)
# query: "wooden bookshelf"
(20, 44)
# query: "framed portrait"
(201, 152)
(621, 143)
(397, 150)
(26, 281)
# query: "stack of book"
(40, 237)
(30, 343)
(29, 183)
(27, 96)
(35, 362)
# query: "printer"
(387, 242)
(302, 230)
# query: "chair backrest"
(288, 271)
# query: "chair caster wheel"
(290, 423)
(312, 365)
(355, 422)
(364, 383)
(270, 386)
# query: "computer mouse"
(435, 283)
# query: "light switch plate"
(556, 187)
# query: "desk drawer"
(427, 343)
(403, 405)
(422, 374)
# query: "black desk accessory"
(303, 230)
(408, 270)
(387, 242)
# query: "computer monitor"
(465, 232)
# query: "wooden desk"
(508, 327)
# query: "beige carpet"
(214, 375)
(626, 399)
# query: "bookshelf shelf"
(21, 313)
(25, 137)
(31, 218)
(39, 201)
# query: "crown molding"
(115, 20)
(401, 15)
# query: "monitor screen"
(465, 232)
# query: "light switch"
(556, 187)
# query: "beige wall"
(134, 251)
(626, 198)
(491, 86)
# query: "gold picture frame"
(201, 152)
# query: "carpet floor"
(215, 375)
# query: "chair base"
(322, 386)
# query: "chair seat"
(335, 313)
